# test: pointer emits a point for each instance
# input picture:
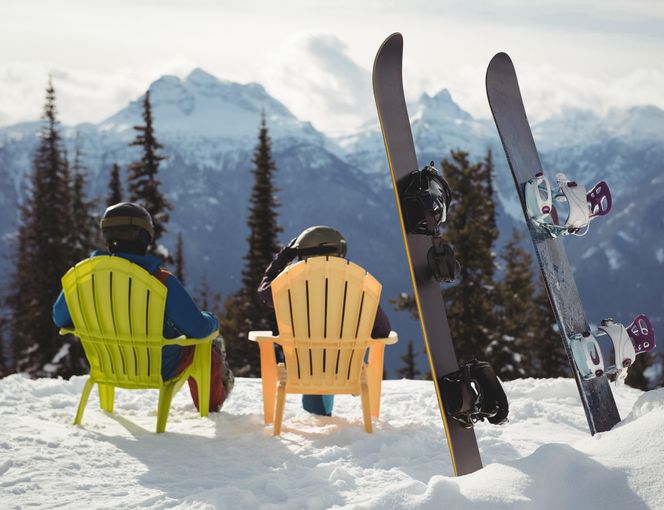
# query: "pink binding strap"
(599, 199)
(642, 334)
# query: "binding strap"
(474, 393)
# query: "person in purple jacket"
(128, 231)
(315, 241)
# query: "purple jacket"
(381, 327)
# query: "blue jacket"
(181, 316)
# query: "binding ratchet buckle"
(582, 206)
(621, 346)
(474, 393)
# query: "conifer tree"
(548, 348)
(636, 375)
(84, 229)
(3, 364)
(206, 298)
(244, 311)
(114, 186)
(471, 230)
(143, 178)
(179, 260)
(42, 255)
(511, 352)
(409, 368)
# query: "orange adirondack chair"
(325, 309)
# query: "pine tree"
(84, 230)
(143, 179)
(244, 311)
(511, 352)
(179, 260)
(471, 230)
(409, 369)
(3, 364)
(636, 374)
(114, 186)
(42, 256)
(548, 348)
(208, 299)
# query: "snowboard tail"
(402, 160)
(510, 117)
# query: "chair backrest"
(325, 308)
(118, 312)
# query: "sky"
(316, 56)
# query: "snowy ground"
(544, 458)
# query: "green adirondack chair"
(118, 312)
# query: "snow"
(543, 458)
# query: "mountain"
(209, 128)
(619, 264)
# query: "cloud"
(547, 91)
(82, 95)
(315, 77)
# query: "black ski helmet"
(425, 198)
(127, 227)
(320, 240)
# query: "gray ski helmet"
(127, 227)
(320, 240)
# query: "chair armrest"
(67, 331)
(262, 336)
(390, 340)
(183, 341)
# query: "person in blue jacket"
(312, 242)
(127, 230)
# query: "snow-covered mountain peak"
(204, 106)
(440, 105)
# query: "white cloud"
(82, 95)
(314, 76)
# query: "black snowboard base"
(510, 117)
(393, 115)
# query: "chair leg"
(165, 398)
(268, 379)
(366, 404)
(279, 413)
(106, 397)
(84, 400)
(375, 377)
(201, 374)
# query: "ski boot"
(613, 348)
(474, 393)
(582, 206)
(425, 199)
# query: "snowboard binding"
(474, 393)
(425, 200)
(613, 348)
(583, 206)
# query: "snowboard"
(398, 138)
(510, 117)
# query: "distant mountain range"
(209, 128)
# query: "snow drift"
(543, 458)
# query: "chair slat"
(325, 299)
(316, 302)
